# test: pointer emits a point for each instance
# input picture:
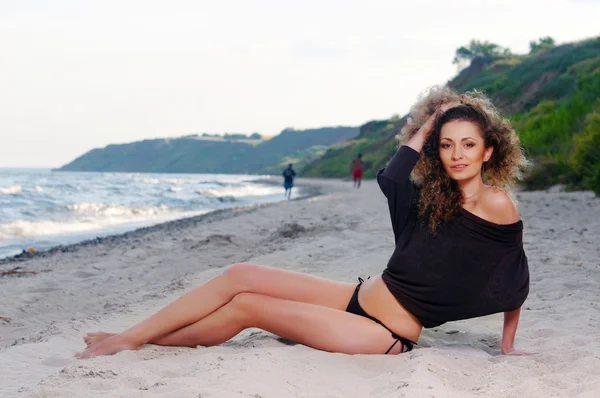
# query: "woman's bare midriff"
(377, 300)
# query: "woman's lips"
(458, 167)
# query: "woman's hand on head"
(416, 142)
(428, 125)
(444, 107)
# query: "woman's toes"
(91, 339)
(107, 346)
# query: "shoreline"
(213, 215)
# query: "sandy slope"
(342, 235)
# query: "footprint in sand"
(83, 274)
(46, 289)
(57, 361)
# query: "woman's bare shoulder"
(499, 206)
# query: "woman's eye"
(470, 145)
(445, 145)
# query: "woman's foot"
(109, 346)
(92, 339)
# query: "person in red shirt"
(357, 166)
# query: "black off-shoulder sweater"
(471, 267)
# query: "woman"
(459, 253)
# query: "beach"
(342, 233)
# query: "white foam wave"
(22, 229)
(248, 190)
(88, 216)
(103, 209)
(38, 189)
(176, 181)
(11, 190)
(148, 180)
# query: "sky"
(77, 75)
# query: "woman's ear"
(488, 153)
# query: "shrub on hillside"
(586, 157)
(546, 172)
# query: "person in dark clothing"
(288, 180)
(458, 253)
(357, 166)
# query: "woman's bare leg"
(212, 295)
(316, 326)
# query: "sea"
(42, 208)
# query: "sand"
(112, 283)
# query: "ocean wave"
(242, 191)
(48, 209)
(176, 181)
(11, 190)
(87, 217)
(23, 229)
(103, 209)
(147, 180)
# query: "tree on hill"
(542, 43)
(481, 49)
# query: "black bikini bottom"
(355, 308)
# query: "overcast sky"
(77, 75)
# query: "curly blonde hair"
(440, 198)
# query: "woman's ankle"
(130, 338)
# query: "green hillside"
(551, 95)
(375, 141)
(210, 154)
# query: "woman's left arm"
(511, 321)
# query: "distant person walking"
(357, 166)
(288, 180)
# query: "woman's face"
(462, 149)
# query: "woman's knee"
(244, 305)
(239, 273)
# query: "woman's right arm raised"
(417, 141)
(394, 179)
